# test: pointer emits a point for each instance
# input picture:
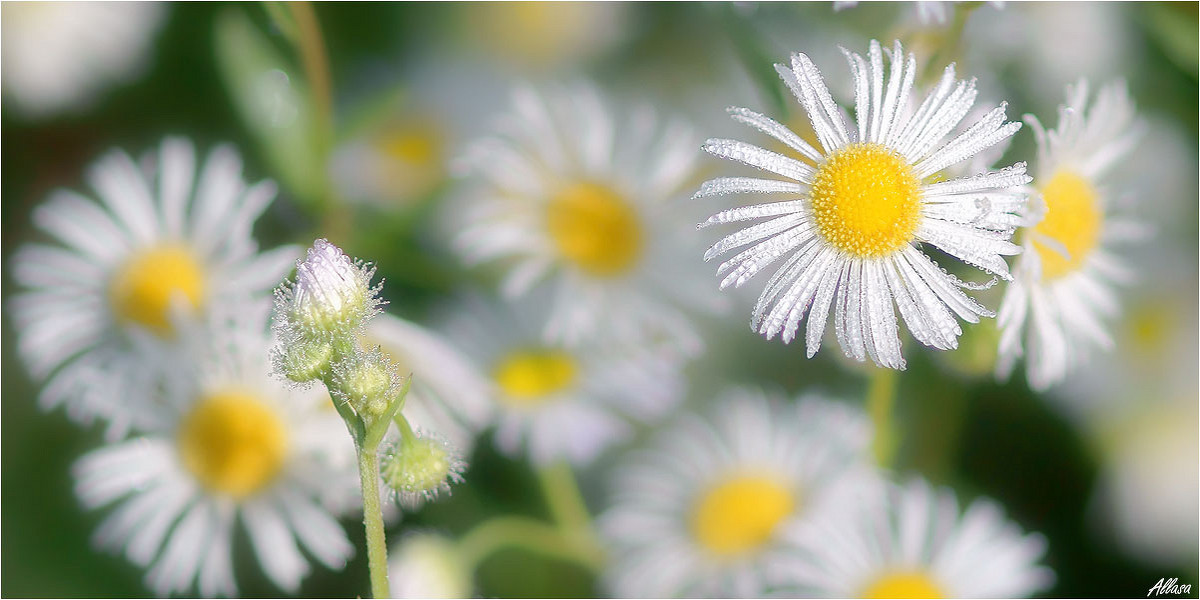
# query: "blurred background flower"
(362, 114)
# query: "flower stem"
(563, 497)
(368, 471)
(881, 400)
(569, 537)
(316, 65)
(528, 534)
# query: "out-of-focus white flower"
(1147, 490)
(1053, 310)
(862, 204)
(1053, 43)
(102, 307)
(929, 12)
(427, 565)
(59, 55)
(912, 542)
(230, 444)
(560, 402)
(395, 164)
(331, 297)
(701, 513)
(449, 394)
(574, 196)
(539, 36)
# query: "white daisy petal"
(703, 511)
(152, 256)
(577, 196)
(1056, 308)
(913, 541)
(849, 237)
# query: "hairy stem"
(377, 563)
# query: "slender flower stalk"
(368, 471)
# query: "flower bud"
(331, 296)
(419, 467)
(303, 361)
(367, 381)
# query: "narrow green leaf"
(273, 105)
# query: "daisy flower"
(103, 303)
(1054, 309)
(699, 514)
(913, 542)
(561, 402)
(929, 12)
(567, 195)
(57, 56)
(449, 394)
(867, 207)
(544, 36)
(397, 161)
(231, 443)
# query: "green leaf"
(1176, 33)
(273, 104)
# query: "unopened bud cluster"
(319, 319)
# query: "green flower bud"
(367, 382)
(331, 297)
(303, 361)
(419, 467)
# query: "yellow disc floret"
(233, 443)
(866, 200)
(143, 289)
(739, 514)
(527, 377)
(1073, 219)
(595, 228)
(903, 584)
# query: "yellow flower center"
(535, 33)
(1072, 219)
(143, 290)
(904, 584)
(233, 443)
(527, 377)
(417, 144)
(595, 228)
(866, 200)
(741, 513)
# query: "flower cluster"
(320, 319)
(782, 498)
(556, 267)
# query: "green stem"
(528, 534)
(881, 400)
(563, 497)
(316, 65)
(368, 471)
(406, 431)
(569, 537)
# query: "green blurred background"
(1041, 458)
